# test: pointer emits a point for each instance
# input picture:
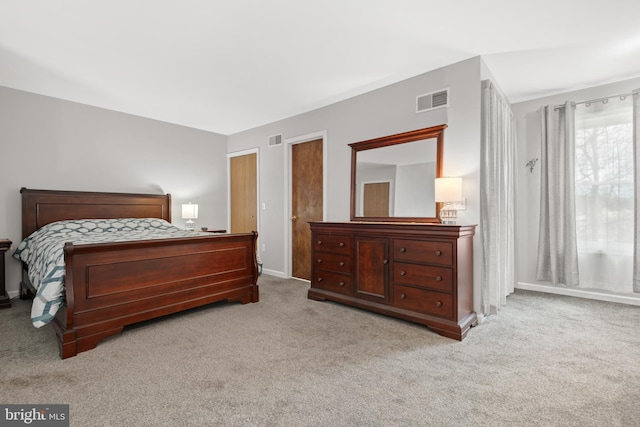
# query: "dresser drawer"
(421, 251)
(424, 276)
(423, 301)
(334, 262)
(332, 243)
(334, 282)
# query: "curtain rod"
(606, 98)
(603, 99)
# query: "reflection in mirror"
(392, 178)
(397, 180)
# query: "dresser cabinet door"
(372, 266)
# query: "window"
(604, 176)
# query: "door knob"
(293, 218)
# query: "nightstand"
(5, 301)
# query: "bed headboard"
(41, 207)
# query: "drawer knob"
(319, 279)
(403, 250)
(341, 244)
(439, 304)
(438, 278)
(438, 253)
(385, 262)
(403, 296)
(403, 273)
(340, 283)
(319, 242)
(319, 260)
(341, 263)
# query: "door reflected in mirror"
(392, 178)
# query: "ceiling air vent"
(275, 140)
(432, 100)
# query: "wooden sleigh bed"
(111, 285)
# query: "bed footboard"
(111, 285)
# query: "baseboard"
(581, 293)
(278, 274)
(13, 294)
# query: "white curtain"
(557, 247)
(636, 148)
(604, 193)
(497, 201)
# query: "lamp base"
(190, 225)
(448, 216)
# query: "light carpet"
(544, 360)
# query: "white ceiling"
(227, 66)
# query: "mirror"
(392, 177)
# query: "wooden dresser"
(418, 272)
(5, 301)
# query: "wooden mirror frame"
(436, 132)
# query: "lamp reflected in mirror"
(448, 191)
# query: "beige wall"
(118, 152)
(47, 143)
(381, 112)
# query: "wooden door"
(243, 193)
(306, 202)
(376, 199)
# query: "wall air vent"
(432, 100)
(275, 140)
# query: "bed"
(113, 284)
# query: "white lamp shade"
(448, 189)
(190, 211)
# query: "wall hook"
(531, 163)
